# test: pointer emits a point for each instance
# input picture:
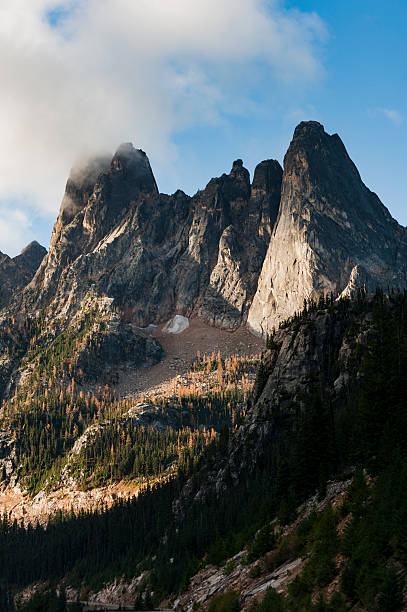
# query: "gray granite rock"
(156, 254)
(332, 233)
(235, 252)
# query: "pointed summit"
(134, 165)
(307, 128)
(331, 231)
(31, 256)
(99, 193)
(17, 272)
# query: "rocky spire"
(98, 193)
(329, 223)
(133, 165)
(266, 192)
(313, 228)
(159, 254)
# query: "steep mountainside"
(221, 457)
(237, 251)
(326, 404)
(17, 272)
(332, 234)
(157, 254)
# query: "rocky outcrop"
(252, 579)
(332, 234)
(96, 195)
(117, 345)
(30, 257)
(7, 455)
(316, 354)
(17, 272)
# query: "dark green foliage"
(261, 380)
(48, 427)
(47, 412)
(320, 569)
(225, 602)
(372, 539)
(317, 537)
(124, 451)
(263, 541)
(272, 602)
(255, 571)
(391, 593)
(102, 544)
(271, 343)
(299, 593)
(368, 429)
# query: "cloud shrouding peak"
(80, 77)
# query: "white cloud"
(15, 229)
(394, 115)
(124, 69)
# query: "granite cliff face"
(157, 254)
(332, 233)
(16, 272)
(236, 252)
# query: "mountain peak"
(267, 174)
(16, 272)
(203, 255)
(329, 227)
(241, 175)
(133, 164)
(80, 184)
(309, 127)
(33, 247)
(127, 148)
(31, 256)
(321, 156)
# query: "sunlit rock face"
(237, 252)
(159, 255)
(332, 233)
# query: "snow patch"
(176, 325)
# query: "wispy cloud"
(392, 114)
(79, 77)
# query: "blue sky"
(365, 75)
(196, 85)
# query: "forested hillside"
(334, 409)
(61, 424)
